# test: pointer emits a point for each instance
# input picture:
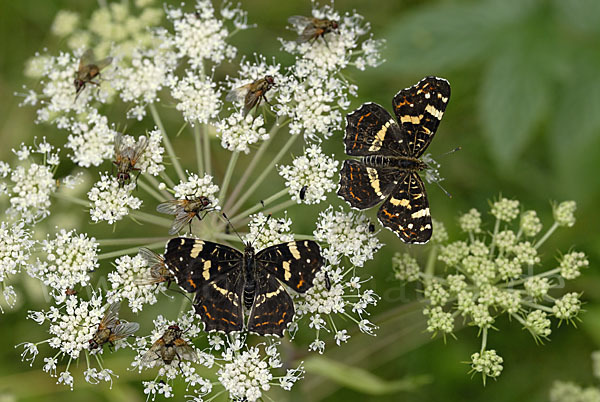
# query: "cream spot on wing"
(420, 213)
(196, 248)
(206, 270)
(374, 179)
(294, 250)
(287, 274)
(380, 136)
(434, 112)
(404, 202)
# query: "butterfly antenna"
(452, 151)
(232, 227)
(262, 227)
(443, 189)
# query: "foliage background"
(525, 108)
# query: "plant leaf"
(361, 380)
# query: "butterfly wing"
(419, 110)
(406, 211)
(219, 303)
(295, 263)
(371, 130)
(196, 263)
(273, 308)
(364, 186)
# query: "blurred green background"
(525, 108)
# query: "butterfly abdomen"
(249, 274)
(401, 162)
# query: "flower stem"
(198, 146)
(130, 250)
(260, 205)
(149, 218)
(155, 183)
(74, 200)
(496, 228)
(546, 235)
(146, 187)
(228, 174)
(131, 240)
(206, 149)
(484, 339)
(167, 142)
(264, 174)
(261, 150)
(430, 265)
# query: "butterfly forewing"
(406, 211)
(419, 110)
(371, 130)
(273, 308)
(295, 263)
(364, 186)
(196, 262)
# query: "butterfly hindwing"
(219, 303)
(372, 130)
(197, 262)
(294, 263)
(419, 110)
(364, 186)
(273, 308)
(406, 211)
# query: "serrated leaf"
(514, 97)
(449, 35)
(361, 380)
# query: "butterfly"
(226, 281)
(390, 151)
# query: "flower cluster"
(500, 273)
(567, 391)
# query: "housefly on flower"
(88, 69)
(159, 272)
(110, 329)
(312, 28)
(127, 156)
(169, 347)
(185, 211)
(252, 93)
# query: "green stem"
(264, 174)
(149, 218)
(198, 147)
(155, 183)
(484, 339)
(167, 179)
(496, 229)
(274, 210)
(147, 188)
(430, 265)
(538, 306)
(259, 205)
(130, 250)
(253, 162)
(520, 281)
(167, 142)
(206, 149)
(228, 174)
(131, 240)
(546, 236)
(74, 200)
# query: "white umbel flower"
(238, 132)
(312, 172)
(110, 201)
(198, 98)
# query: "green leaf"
(513, 100)
(360, 380)
(449, 35)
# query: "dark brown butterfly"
(252, 93)
(169, 347)
(88, 69)
(127, 156)
(313, 28)
(185, 211)
(159, 272)
(110, 329)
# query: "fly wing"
(110, 318)
(140, 147)
(184, 350)
(300, 21)
(118, 146)
(237, 94)
(123, 330)
(86, 58)
(101, 64)
(170, 207)
(181, 219)
(152, 355)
